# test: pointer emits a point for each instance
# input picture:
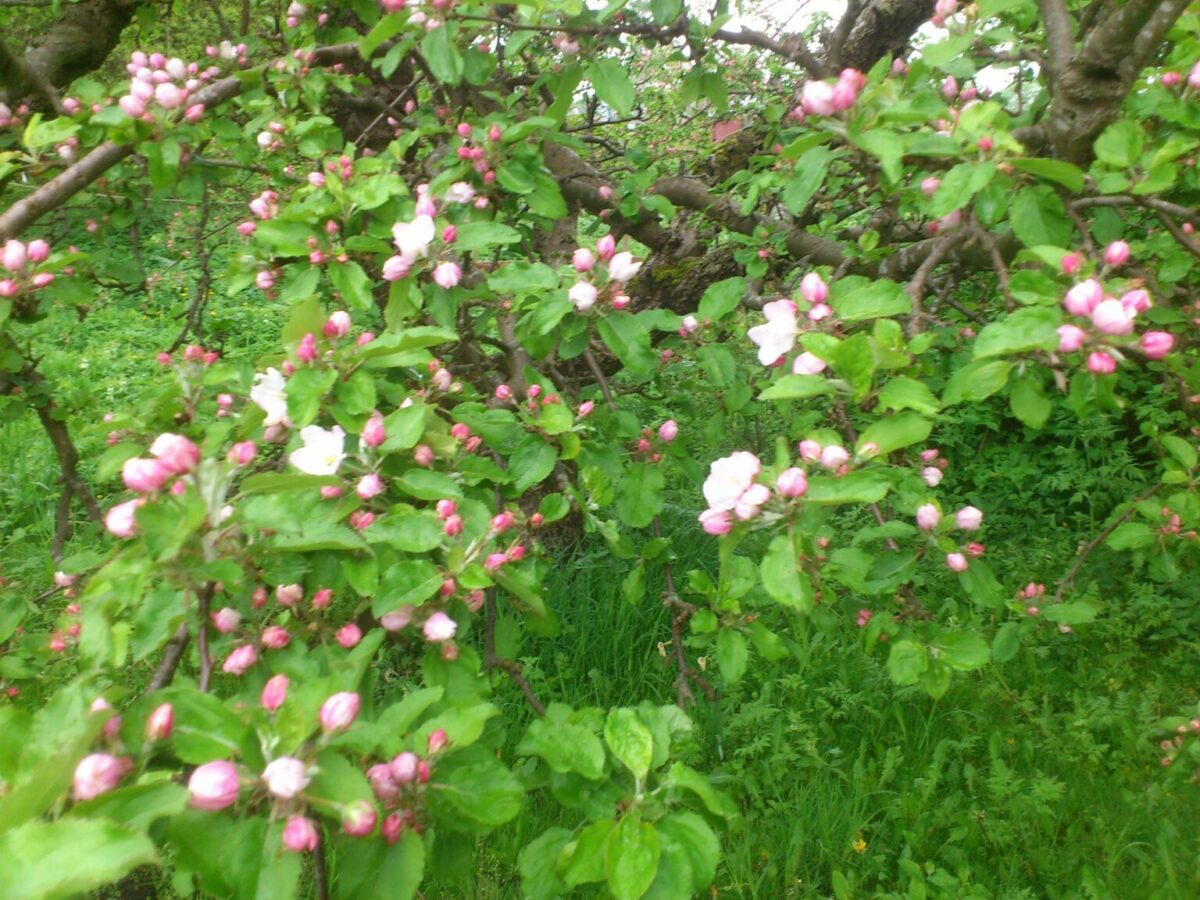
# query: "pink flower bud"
(226, 620)
(453, 526)
(833, 457)
(120, 520)
(503, 392)
(931, 475)
(808, 364)
(241, 659)
(1071, 263)
(1110, 317)
(358, 818)
(1070, 338)
(382, 783)
(1084, 297)
(178, 454)
(373, 433)
(213, 786)
(447, 275)
(1100, 363)
(194, 113)
(339, 711)
(668, 430)
(289, 594)
(792, 482)
(810, 451)
(331, 492)
(606, 247)
(446, 508)
(1136, 301)
(300, 835)
(14, 256)
(306, 350)
(285, 777)
(393, 825)
(956, 562)
(950, 87)
(144, 475)
(275, 637)
(438, 741)
(160, 723)
(495, 561)
(349, 635)
(369, 486)
(243, 453)
(245, 229)
(403, 768)
(274, 693)
(585, 408)
(716, 521)
(928, 517)
(930, 185)
(63, 580)
(974, 550)
(95, 775)
(968, 518)
(439, 627)
(583, 260)
(337, 325)
(1157, 344)
(1116, 253)
(503, 521)
(423, 455)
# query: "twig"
(320, 873)
(510, 667)
(1176, 232)
(590, 359)
(203, 251)
(681, 611)
(171, 657)
(1099, 539)
(204, 596)
(916, 287)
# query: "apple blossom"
(816, 98)
(439, 627)
(1084, 297)
(447, 275)
(668, 430)
(833, 457)
(413, 238)
(932, 475)
(323, 450)
(369, 486)
(120, 520)
(956, 562)
(178, 454)
(729, 478)
(968, 518)
(1156, 344)
(622, 267)
(1110, 317)
(777, 335)
(269, 394)
(808, 364)
(1070, 338)
(1101, 363)
(144, 475)
(583, 295)
(1116, 253)
(792, 482)
(241, 659)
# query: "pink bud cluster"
(162, 82)
(20, 260)
(1109, 317)
(400, 783)
(619, 267)
(820, 98)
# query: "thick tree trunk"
(78, 42)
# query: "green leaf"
(629, 740)
(136, 807)
(798, 387)
(477, 235)
(1028, 403)
(981, 585)
(533, 460)
(855, 298)
(411, 581)
(565, 744)
(640, 495)
(1039, 217)
(963, 650)
(277, 483)
(894, 432)
(697, 840)
(205, 728)
(782, 577)
(863, 486)
(1079, 613)
(1064, 173)
(1120, 144)
(1182, 450)
(631, 857)
(903, 392)
(959, 185)
(370, 869)
(612, 84)
(539, 877)
(69, 857)
(582, 861)
(807, 179)
(907, 661)
(403, 428)
(1130, 536)
(443, 57)
(629, 339)
(688, 779)
(721, 298)
(427, 485)
(976, 381)
(487, 793)
(353, 283)
(1007, 642)
(732, 654)
(1028, 329)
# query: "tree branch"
(1060, 36)
(792, 47)
(1099, 539)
